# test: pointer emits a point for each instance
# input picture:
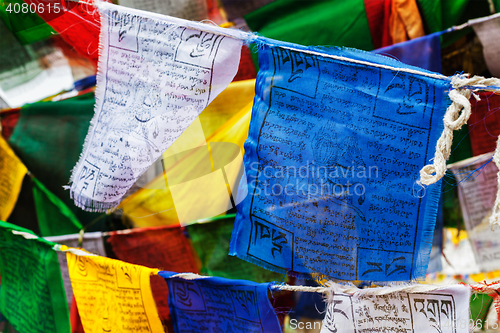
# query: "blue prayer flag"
(332, 157)
(423, 52)
(220, 305)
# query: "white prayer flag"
(194, 10)
(444, 310)
(156, 74)
(477, 183)
(488, 30)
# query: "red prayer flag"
(484, 123)
(78, 23)
(8, 120)
(246, 69)
(378, 14)
(74, 318)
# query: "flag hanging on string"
(439, 15)
(12, 172)
(443, 310)
(341, 23)
(50, 154)
(484, 123)
(488, 29)
(378, 14)
(76, 21)
(54, 217)
(235, 9)
(332, 159)
(147, 247)
(156, 77)
(193, 10)
(32, 296)
(405, 21)
(29, 73)
(477, 184)
(164, 247)
(91, 241)
(113, 295)
(423, 52)
(218, 304)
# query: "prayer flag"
(75, 21)
(423, 52)
(236, 8)
(439, 15)
(12, 172)
(91, 241)
(8, 119)
(146, 97)
(113, 295)
(488, 29)
(217, 304)
(24, 22)
(479, 307)
(164, 247)
(337, 22)
(32, 296)
(457, 250)
(194, 10)
(33, 73)
(246, 70)
(405, 21)
(54, 217)
(484, 123)
(477, 183)
(48, 138)
(211, 241)
(334, 151)
(442, 310)
(378, 14)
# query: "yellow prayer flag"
(113, 296)
(193, 185)
(236, 96)
(12, 172)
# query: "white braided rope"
(457, 115)
(335, 288)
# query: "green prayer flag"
(461, 148)
(18, 63)
(479, 306)
(54, 217)
(24, 22)
(48, 139)
(439, 15)
(335, 22)
(211, 243)
(32, 296)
